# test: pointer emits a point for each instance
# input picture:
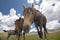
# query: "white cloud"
(57, 6)
(37, 1)
(7, 22)
(12, 12)
(0, 14)
(33, 30)
(51, 0)
(52, 12)
(36, 6)
(53, 25)
(19, 15)
(30, 1)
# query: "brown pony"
(19, 26)
(32, 15)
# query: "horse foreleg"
(8, 36)
(24, 35)
(40, 33)
(39, 29)
(18, 35)
(45, 31)
(45, 35)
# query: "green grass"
(50, 36)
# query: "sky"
(11, 10)
(6, 5)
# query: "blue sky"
(6, 5)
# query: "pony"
(31, 15)
(18, 28)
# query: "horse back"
(39, 18)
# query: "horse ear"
(24, 6)
(32, 5)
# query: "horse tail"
(5, 30)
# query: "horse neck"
(36, 13)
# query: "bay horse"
(31, 15)
(18, 28)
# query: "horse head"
(28, 15)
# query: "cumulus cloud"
(0, 14)
(56, 8)
(52, 12)
(7, 22)
(50, 8)
(53, 25)
(12, 12)
(51, 0)
(30, 1)
(19, 15)
(37, 1)
(36, 6)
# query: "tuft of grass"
(50, 36)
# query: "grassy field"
(50, 36)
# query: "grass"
(50, 36)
